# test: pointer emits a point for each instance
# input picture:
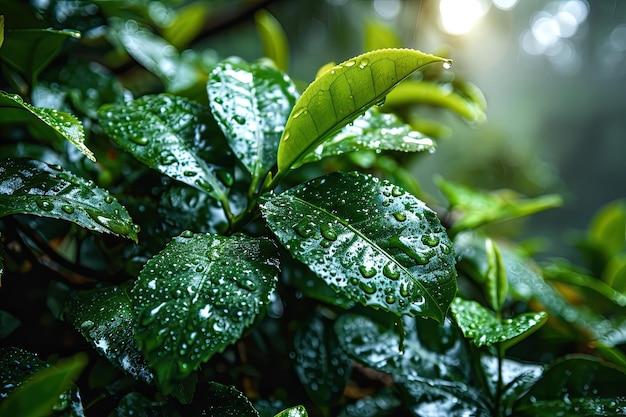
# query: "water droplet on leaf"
(391, 271)
(367, 271)
(45, 205)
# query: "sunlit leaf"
(33, 187)
(297, 411)
(369, 240)
(576, 386)
(51, 122)
(186, 24)
(197, 296)
(33, 388)
(373, 131)
(105, 318)
(251, 103)
(479, 208)
(432, 94)
(482, 326)
(340, 95)
(174, 136)
(31, 50)
(273, 39)
(497, 284)
(321, 364)
(1, 30)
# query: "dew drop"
(381, 102)
(246, 284)
(136, 228)
(390, 270)
(108, 199)
(167, 158)
(367, 271)
(328, 232)
(350, 63)
(45, 205)
(141, 141)
(399, 216)
(186, 233)
(68, 209)
(367, 287)
(430, 240)
(305, 228)
(189, 173)
(396, 192)
(239, 119)
(364, 63)
(204, 185)
(404, 290)
(218, 100)
(447, 65)
(390, 299)
(225, 177)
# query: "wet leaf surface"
(105, 318)
(220, 400)
(297, 411)
(251, 103)
(340, 95)
(197, 296)
(174, 136)
(369, 240)
(33, 187)
(44, 121)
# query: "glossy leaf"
(1, 30)
(251, 103)
(515, 378)
(432, 94)
(373, 131)
(437, 397)
(273, 39)
(105, 318)
(25, 377)
(220, 400)
(482, 326)
(321, 364)
(497, 284)
(576, 386)
(383, 404)
(31, 50)
(479, 208)
(197, 296)
(340, 95)
(136, 405)
(33, 187)
(297, 411)
(48, 122)
(369, 240)
(171, 135)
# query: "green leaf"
(136, 405)
(31, 50)
(607, 229)
(514, 378)
(197, 296)
(383, 404)
(1, 30)
(378, 35)
(479, 208)
(45, 121)
(104, 317)
(321, 365)
(186, 24)
(251, 103)
(576, 386)
(439, 397)
(369, 240)
(25, 378)
(297, 411)
(373, 131)
(340, 95)
(497, 284)
(438, 95)
(482, 326)
(220, 400)
(273, 39)
(33, 187)
(173, 136)
(8, 322)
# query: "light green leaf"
(33, 388)
(373, 131)
(197, 296)
(321, 364)
(174, 136)
(607, 229)
(482, 326)
(378, 35)
(340, 95)
(186, 24)
(1, 30)
(369, 240)
(46, 122)
(438, 95)
(497, 284)
(477, 208)
(251, 103)
(105, 318)
(273, 39)
(33, 187)
(31, 50)
(297, 411)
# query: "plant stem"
(500, 385)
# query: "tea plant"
(280, 259)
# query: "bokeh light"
(460, 16)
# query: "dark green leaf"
(220, 400)
(312, 286)
(197, 296)
(369, 240)
(33, 187)
(373, 131)
(482, 326)
(172, 135)
(136, 405)
(297, 411)
(340, 95)
(31, 50)
(49, 122)
(273, 39)
(8, 322)
(251, 103)
(1, 30)
(185, 208)
(321, 364)
(25, 378)
(105, 318)
(576, 386)
(517, 377)
(497, 284)
(383, 404)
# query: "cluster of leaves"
(280, 253)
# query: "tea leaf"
(273, 39)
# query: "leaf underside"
(369, 240)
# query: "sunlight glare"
(460, 16)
